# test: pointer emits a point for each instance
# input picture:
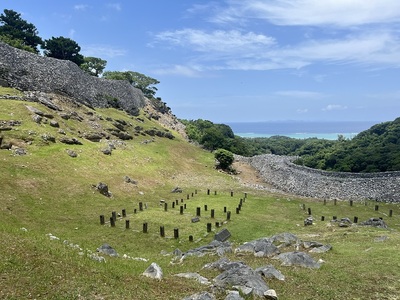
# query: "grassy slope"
(47, 191)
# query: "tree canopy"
(17, 32)
(63, 48)
(93, 65)
(138, 80)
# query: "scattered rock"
(70, 141)
(93, 136)
(321, 249)
(72, 153)
(375, 222)
(270, 295)
(177, 190)
(54, 123)
(19, 151)
(308, 221)
(195, 276)
(222, 236)
(195, 219)
(103, 189)
(153, 271)
(127, 179)
(108, 250)
(298, 259)
(201, 296)
(269, 271)
(106, 151)
(233, 295)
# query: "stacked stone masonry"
(284, 175)
(31, 72)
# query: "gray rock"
(321, 249)
(269, 271)
(72, 153)
(374, 222)
(108, 250)
(298, 259)
(223, 235)
(201, 296)
(54, 123)
(270, 295)
(194, 276)
(233, 295)
(177, 190)
(311, 244)
(242, 278)
(70, 141)
(19, 151)
(106, 151)
(103, 189)
(153, 271)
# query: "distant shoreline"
(300, 129)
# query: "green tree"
(144, 83)
(225, 159)
(17, 32)
(63, 48)
(93, 65)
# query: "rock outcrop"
(31, 72)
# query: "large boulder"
(298, 259)
(153, 271)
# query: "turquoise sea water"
(301, 130)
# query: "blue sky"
(243, 60)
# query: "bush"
(225, 159)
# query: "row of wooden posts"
(113, 217)
(376, 208)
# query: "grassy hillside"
(47, 191)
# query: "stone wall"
(283, 174)
(31, 72)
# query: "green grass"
(46, 191)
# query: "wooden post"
(355, 219)
(322, 218)
(205, 207)
(237, 210)
(112, 222)
(198, 212)
(182, 200)
(162, 231)
(228, 215)
(304, 206)
(224, 209)
(240, 206)
(351, 202)
(334, 218)
(390, 213)
(114, 215)
(212, 213)
(376, 207)
(181, 210)
(192, 195)
(241, 202)
(141, 206)
(124, 213)
(165, 206)
(144, 227)
(176, 233)
(135, 211)
(184, 206)
(195, 191)
(209, 227)
(309, 211)
(324, 201)
(245, 195)
(190, 238)
(176, 201)
(127, 224)
(334, 201)
(215, 193)
(231, 193)
(102, 221)
(208, 191)
(217, 224)
(187, 196)
(173, 204)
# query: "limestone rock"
(108, 250)
(153, 271)
(298, 259)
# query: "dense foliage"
(225, 158)
(18, 32)
(63, 48)
(374, 150)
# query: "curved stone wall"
(31, 72)
(283, 174)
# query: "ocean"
(300, 129)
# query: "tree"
(18, 32)
(93, 65)
(138, 80)
(63, 48)
(225, 158)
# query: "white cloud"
(178, 70)
(340, 13)
(331, 107)
(103, 51)
(218, 40)
(71, 33)
(301, 94)
(115, 6)
(302, 110)
(81, 7)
